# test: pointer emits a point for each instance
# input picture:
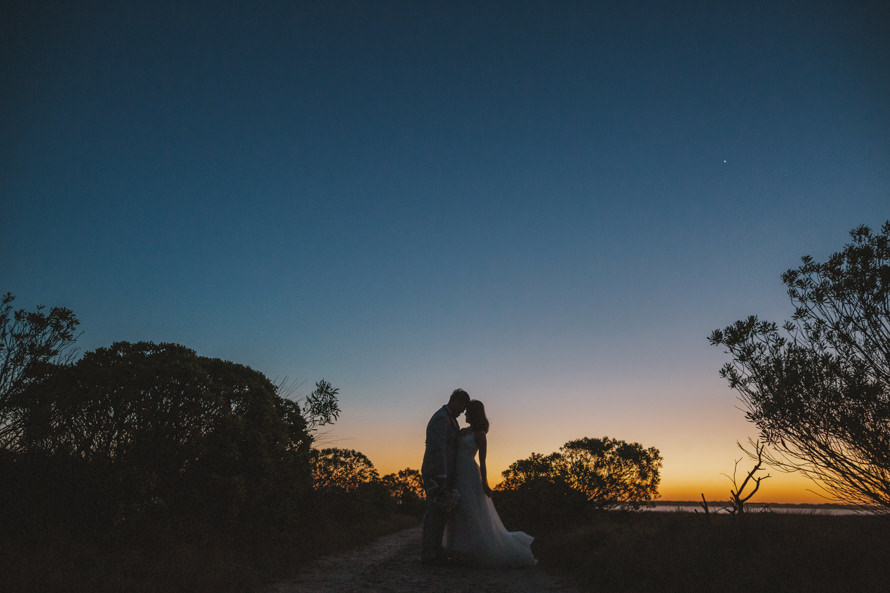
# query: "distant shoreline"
(758, 505)
(687, 506)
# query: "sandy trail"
(391, 564)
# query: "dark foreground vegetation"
(146, 467)
(666, 552)
(188, 556)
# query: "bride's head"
(476, 416)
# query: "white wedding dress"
(475, 533)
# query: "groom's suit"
(441, 447)
(439, 459)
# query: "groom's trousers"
(434, 520)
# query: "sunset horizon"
(550, 205)
(250, 250)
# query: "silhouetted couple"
(458, 499)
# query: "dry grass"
(685, 552)
(175, 559)
(614, 552)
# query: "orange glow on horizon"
(777, 489)
(684, 485)
(698, 444)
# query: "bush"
(603, 473)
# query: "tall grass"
(186, 557)
(685, 552)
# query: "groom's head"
(458, 401)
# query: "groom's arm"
(437, 443)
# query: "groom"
(438, 472)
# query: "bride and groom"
(458, 499)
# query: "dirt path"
(391, 565)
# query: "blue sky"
(550, 204)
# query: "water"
(759, 508)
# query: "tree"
(321, 406)
(29, 341)
(737, 495)
(536, 489)
(819, 390)
(341, 470)
(166, 427)
(606, 472)
(537, 469)
(611, 472)
(406, 486)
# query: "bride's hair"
(476, 415)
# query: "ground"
(391, 564)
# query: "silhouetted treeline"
(138, 430)
(155, 432)
(147, 467)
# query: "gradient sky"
(550, 204)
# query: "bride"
(475, 533)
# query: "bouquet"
(446, 499)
